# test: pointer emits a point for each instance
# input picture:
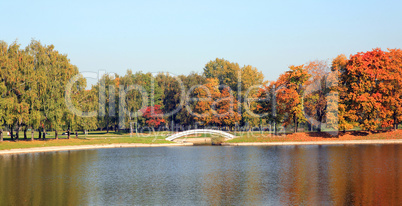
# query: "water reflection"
(39, 179)
(283, 175)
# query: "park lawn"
(91, 134)
(318, 136)
(91, 139)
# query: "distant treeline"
(41, 90)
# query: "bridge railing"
(200, 131)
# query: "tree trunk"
(68, 132)
(12, 132)
(1, 135)
(395, 123)
(295, 130)
(107, 125)
(32, 134)
(17, 133)
(56, 136)
(320, 123)
(40, 134)
(25, 132)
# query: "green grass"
(92, 138)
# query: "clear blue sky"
(182, 36)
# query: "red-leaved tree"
(153, 116)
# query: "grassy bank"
(318, 136)
(101, 138)
(92, 138)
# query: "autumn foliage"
(216, 106)
(364, 91)
(153, 116)
(371, 91)
(359, 92)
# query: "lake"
(206, 175)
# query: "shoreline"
(132, 145)
(338, 142)
(86, 147)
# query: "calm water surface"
(206, 175)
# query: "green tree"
(3, 87)
(133, 89)
(108, 118)
(15, 65)
(226, 72)
(53, 71)
(86, 101)
(251, 81)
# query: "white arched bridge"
(200, 131)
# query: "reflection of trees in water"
(43, 178)
(287, 175)
(376, 181)
(341, 175)
(219, 182)
(301, 175)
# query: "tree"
(191, 83)
(338, 117)
(3, 87)
(266, 105)
(53, 71)
(226, 109)
(86, 102)
(290, 95)
(139, 86)
(173, 96)
(368, 80)
(392, 89)
(315, 96)
(251, 81)
(242, 81)
(15, 67)
(226, 72)
(152, 116)
(215, 107)
(108, 86)
(203, 108)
